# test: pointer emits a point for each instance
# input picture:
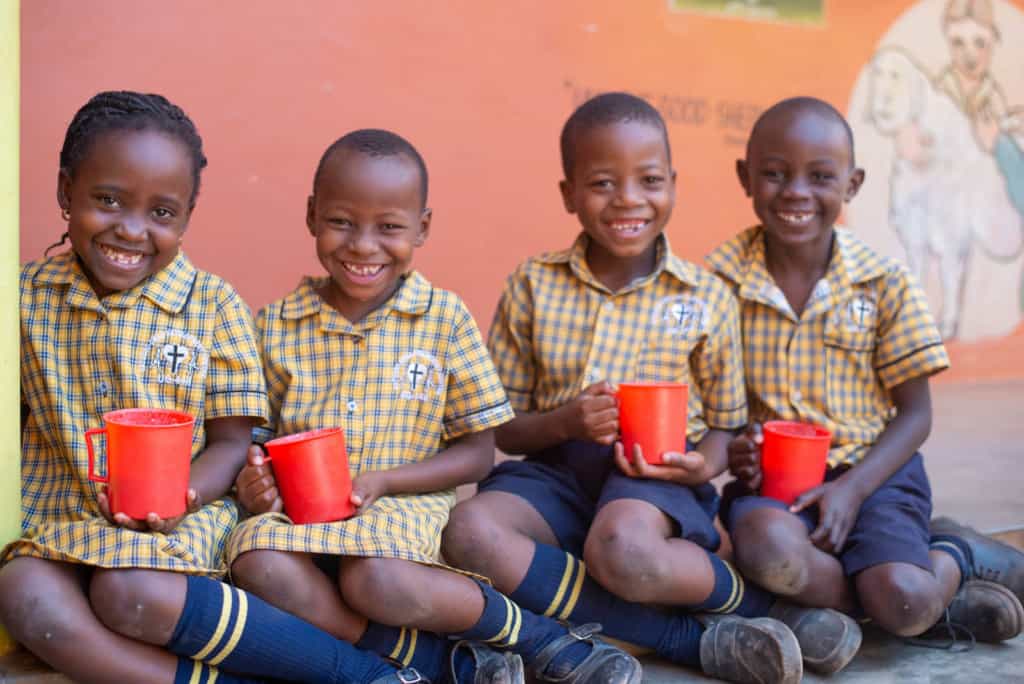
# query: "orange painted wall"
(482, 89)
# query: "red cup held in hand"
(793, 458)
(311, 470)
(149, 452)
(653, 415)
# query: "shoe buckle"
(585, 632)
(409, 676)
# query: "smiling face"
(799, 172)
(367, 216)
(970, 47)
(130, 200)
(622, 188)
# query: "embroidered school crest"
(417, 375)
(858, 315)
(174, 357)
(680, 314)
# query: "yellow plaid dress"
(409, 378)
(182, 339)
(866, 329)
(558, 329)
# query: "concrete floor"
(974, 460)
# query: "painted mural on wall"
(938, 116)
(798, 11)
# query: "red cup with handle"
(149, 453)
(653, 415)
(793, 458)
(311, 470)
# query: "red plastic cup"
(311, 469)
(149, 452)
(653, 415)
(793, 458)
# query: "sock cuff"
(553, 582)
(212, 621)
(195, 672)
(501, 620)
(397, 644)
(729, 589)
(958, 549)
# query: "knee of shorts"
(770, 549)
(471, 537)
(266, 574)
(369, 583)
(902, 598)
(28, 608)
(626, 560)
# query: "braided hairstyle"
(604, 110)
(125, 110)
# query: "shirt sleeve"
(510, 342)
(276, 379)
(717, 366)
(234, 381)
(475, 398)
(908, 344)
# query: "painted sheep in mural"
(947, 201)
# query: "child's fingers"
(104, 505)
(123, 520)
(277, 506)
(254, 456)
(691, 460)
(806, 499)
(258, 477)
(621, 461)
(192, 502)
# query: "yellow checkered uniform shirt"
(403, 382)
(865, 329)
(182, 339)
(558, 329)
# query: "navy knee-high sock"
(239, 632)
(194, 672)
(958, 549)
(426, 652)
(503, 624)
(557, 585)
(732, 594)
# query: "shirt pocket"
(849, 369)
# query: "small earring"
(65, 214)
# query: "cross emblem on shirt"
(415, 371)
(174, 354)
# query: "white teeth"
(795, 217)
(119, 257)
(363, 270)
(628, 226)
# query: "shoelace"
(949, 639)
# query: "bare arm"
(214, 471)
(593, 416)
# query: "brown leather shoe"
(492, 667)
(828, 639)
(606, 664)
(992, 559)
(750, 650)
(987, 610)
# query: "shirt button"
(797, 396)
(103, 389)
(352, 406)
(609, 305)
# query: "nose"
(131, 228)
(796, 187)
(629, 194)
(364, 241)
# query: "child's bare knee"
(377, 586)
(903, 599)
(31, 612)
(468, 539)
(625, 563)
(770, 553)
(123, 601)
(264, 574)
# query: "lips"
(795, 218)
(121, 257)
(363, 270)
(628, 227)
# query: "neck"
(615, 272)
(808, 261)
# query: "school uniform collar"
(742, 261)
(413, 297)
(169, 289)
(666, 261)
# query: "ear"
(743, 173)
(64, 189)
(424, 231)
(311, 214)
(565, 187)
(853, 185)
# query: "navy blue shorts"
(569, 483)
(892, 526)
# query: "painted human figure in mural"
(951, 189)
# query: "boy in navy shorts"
(838, 336)
(619, 306)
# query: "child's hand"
(838, 506)
(152, 522)
(593, 416)
(257, 488)
(745, 456)
(367, 488)
(685, 469)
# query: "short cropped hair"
(603, 110)
(812, 104)
(376, 142)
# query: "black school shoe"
(492, 667)
(606, 664)
(828, 639)
(749, 650)
(989, 611)
(991, 560)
